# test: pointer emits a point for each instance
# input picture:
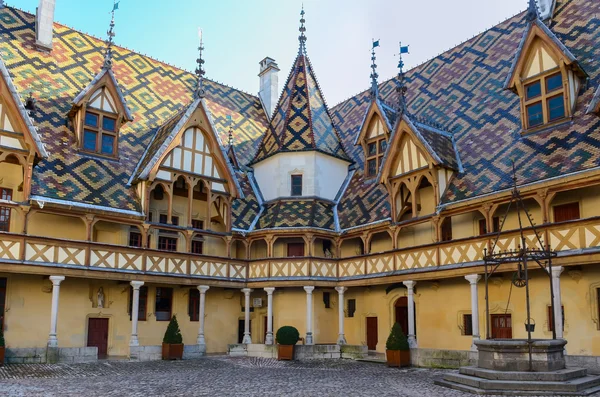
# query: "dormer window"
(375, 151)
(296, 185)
(98, 113)
(544, 99)
(546, 76)
(100, 133)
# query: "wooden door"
(295, 249)
(98, 335)
(401, 307)
(241, 328)
(372, 333)
(501, 326)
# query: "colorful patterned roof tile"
(246, 209)
(462, 90)
(301, 120)
(297, 213)
(439, 143)
(154, 91)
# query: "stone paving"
(220, 376)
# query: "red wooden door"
(98, 335)
(295, 249)
(401, 307)
(501, 326)
(372, 333)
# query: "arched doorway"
(401, 314)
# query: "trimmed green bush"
(397, 340)
(1, 337)
(287, 335)
(173, 333)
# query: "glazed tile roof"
(297, 213)
(246, 209)
(439, 143)
(462, 90)
(301, 120)
(154, 92)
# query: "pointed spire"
(230, 122)
(200, 92)
(532, 11)
(109, 40)
(374, 75)
(302, 37)
(401, 87)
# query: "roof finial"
(401, 87)
(230, 122)
(109, 41)
(200, 69)
(302, 37)
(374, 75)
(532, 11)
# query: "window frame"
(159, 291)
(377, 157)
(544, 99)
(100, 131)
(5, 211)
(143, 302)
(467, 324)
(293, 186)
(194, 304)
(571, 205)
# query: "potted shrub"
(2, 348)
(286, 338)
(397, 351)
(172, 347)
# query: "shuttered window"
(566, 212)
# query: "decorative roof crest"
(200, 92)
(401, 87)
(374, 75)
(533, 11)
(109, 40)
(302, 37)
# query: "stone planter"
(398, 358)
(172, 351)
(285, 352)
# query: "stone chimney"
(44, 23)
(269, 84)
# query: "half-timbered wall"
(410, 156)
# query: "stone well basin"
(513, 354)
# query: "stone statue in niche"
(100, 298)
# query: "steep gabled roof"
(301, 121)
(537, 28)
(594, 106)
(95, 82)
(387, 114)
(169, 132)
(35, 138)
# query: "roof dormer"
(545, 75)
(374, 136)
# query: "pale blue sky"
(239, 33)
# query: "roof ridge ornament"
(302, 37)
(401, 86)
(200, 92)
(533, 11)
(374, 75)
(108, 61)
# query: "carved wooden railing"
(567, 237)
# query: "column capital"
(56, 280)
(409, 284)
(269, 290)
(309, 289)
(557, 271)
(341, 290)
(247, 291)
(136, 284)
(203, 288)
(473, 278)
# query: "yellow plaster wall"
(351, 247)
(57, 226)
(28, 305)
(416, 235)
(427, 200)
(381, 242)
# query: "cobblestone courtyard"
(219, 376)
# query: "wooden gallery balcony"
(577, 242)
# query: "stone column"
(56, 280)
(557, 315)
(341, 337)
(269, 337)
(135, 309)
(473, 279)
(201, 342)
(247, 338)
(412, 341)
(309, 334)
